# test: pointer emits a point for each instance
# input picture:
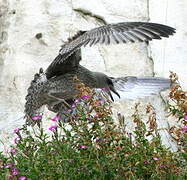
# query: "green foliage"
(92, 147)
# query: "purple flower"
(37, 117)
(9, 165)
(77, 100)
(53, 128)
(184, 129)
(15, 171)
(13, 151)
(98, 140)
(22, 178)
(16, 130)
(85, 97)
(162, 166)
(156, 158)
(101, 101)
(83, 147)
(69, 110)
(185, 117)
(89, 118)
(104, 89)
(17, 140)
(56, 118)
(73, 105)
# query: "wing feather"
(113, 33)
(150, 30)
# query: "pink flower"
(184, 129)
(162, 166)
(37, 117)
(185, 117)
(89, 118)
(101, 101)
(53, 128)
(16, 130)
(9, 165)
(96, 116)
(56, 118)
(98, 140)
(85, 97)
(22, 178)
(15, 171)
(83, 147)
(77, 100)
(69, 110)
(73, 105)
(104, 89)
(156, 158)
(17, 140)
(13, 151)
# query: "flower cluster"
(178, 108)
(14, 172)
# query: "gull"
(55, 87)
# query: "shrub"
(92, 146)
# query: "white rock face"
(170, 55)
(22, 54)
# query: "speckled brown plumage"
(55, 86)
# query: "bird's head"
(105, 82)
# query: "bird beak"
(114, 91)
(109, 93)
(111, 88)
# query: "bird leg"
(65, 114)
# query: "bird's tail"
(140, 87)
(33, 105)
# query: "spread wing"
(135, 87)
(57, 69)
(63, 67)
(114, 34)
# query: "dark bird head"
(104, 82)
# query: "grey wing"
(114, 34)
(57, 69)
(134, 87)
(63, 67)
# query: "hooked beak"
(111, 88)
(114, 91)
(108, 91)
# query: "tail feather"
(33, 105)
(137, 87)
